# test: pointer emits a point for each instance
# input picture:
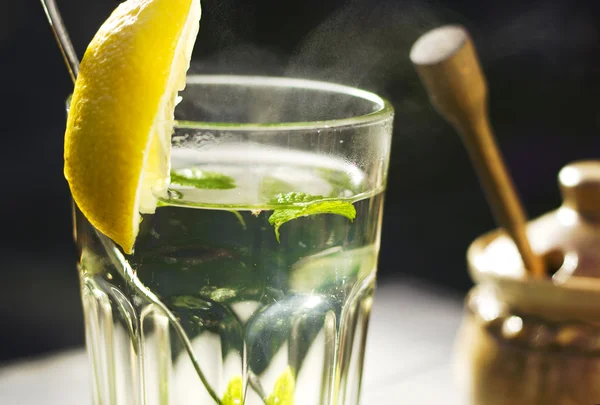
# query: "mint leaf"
(234, 394)
(314, 207)
(240, 218)
(294, 198)
(272, 186)
(197, 178)
(283, 392)
(341, 182)
(189, 302)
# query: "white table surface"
(408, 356)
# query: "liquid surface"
(261, 173)
(285, 320)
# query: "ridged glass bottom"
(137, 356)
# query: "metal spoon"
(62, 37)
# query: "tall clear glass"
(252, 282)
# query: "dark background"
(542, 59)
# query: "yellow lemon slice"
(118, 137)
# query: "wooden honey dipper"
(447, 63)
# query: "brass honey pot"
(527, 340)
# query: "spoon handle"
(446, 61)
(62, 37)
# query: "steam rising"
(362, 42)
(545, 29)
(367, 43)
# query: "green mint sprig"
(312, 205)
(294, 204)
(198, 178)
(341, 182)
(234, 394)
(240, 218)
(270, 186)
(283, 392)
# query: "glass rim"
(383, 113)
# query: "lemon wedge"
(118, 137)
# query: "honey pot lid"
(569, 240)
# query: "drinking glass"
(252, 282)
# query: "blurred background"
(542, 59)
